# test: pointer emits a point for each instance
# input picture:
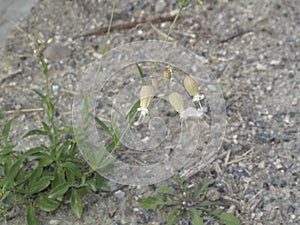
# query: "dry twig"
(125, 26)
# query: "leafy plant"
(187, 201)
(50, 175)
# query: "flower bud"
(191, 86)
(176, 101)
(50, 41)
(154, 83)
(167, 76)
(146, 96)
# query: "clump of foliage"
(187, 201)
(47, 176)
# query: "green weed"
(185, 201)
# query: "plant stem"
(166, 39)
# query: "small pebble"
(56, 52)
(54, 222)
(213, 195)
(160, 6)
(119, 194)
(261, 67)
(278, 164)
(275, 62)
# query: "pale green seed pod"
(176, 101)
(146, 95)
(191, 85)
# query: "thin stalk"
(166, 39)
(110, 24)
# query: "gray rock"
(160, 6)
(56, 52)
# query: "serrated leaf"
(166, 190)
(195, 217)
(228, 219)
(31, 218)
(39, 185)
(59, 191)
(174, 216)
(46, 204)
(76, 204)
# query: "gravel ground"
(253, 48)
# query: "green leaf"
(202, 188)
(59, 178)
(5, 132)
(36, 151)
(31, 218)
(13, 172)
(40, 94)
(47, 129)
(92, 185)
(174, 216)
(50, 108)
(73, 168)
(152, 203)
(228, 218)
(133, 110)
(7, 149)
(102, 124)
(183, 3)
(35, 132)
(46, 160)
(66, 145)
(141, 74)
(76, 204)
(59, 190)
(46, 204)
(85, 112)
(36, 174)
(195, 216)
(166, 190)
(200, 2)
(45, 67)
(100, 182)
(39, 185)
